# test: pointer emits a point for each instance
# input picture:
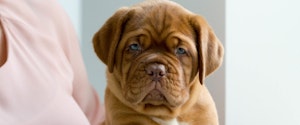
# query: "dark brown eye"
(180, 51)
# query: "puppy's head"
(157, 51)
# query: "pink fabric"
(43, 81)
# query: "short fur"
(159, 28)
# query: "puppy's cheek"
(135, 90)
(124, 67)
(179, 100)
(134, 83)
(189, 69)
(176, 91)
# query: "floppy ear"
(210, 49)
(106, 40)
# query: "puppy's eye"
(180, 51)
(134, 47)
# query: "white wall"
(263, 62)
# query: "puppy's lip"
(155, 97)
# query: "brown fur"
(159, 27)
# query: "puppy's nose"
(156, 71)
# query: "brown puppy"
(158, 54)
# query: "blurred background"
(259, 81)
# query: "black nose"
(156, 71)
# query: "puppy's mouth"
(155, 97)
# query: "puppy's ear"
(210, 49)
(106, 40)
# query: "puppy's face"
(156, 57)
(156, 51)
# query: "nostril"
(162, 73)
(150, 72)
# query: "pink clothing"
(43, 81)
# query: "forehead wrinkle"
(157, 37)
(156, 23)
(159, 23)
(150, 33)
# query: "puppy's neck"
(173, 121)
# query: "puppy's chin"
(155, 103)
(153, 97)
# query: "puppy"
(157, 55)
